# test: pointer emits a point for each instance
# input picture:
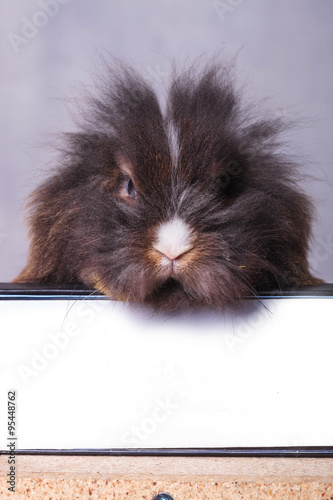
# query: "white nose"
(173, 238)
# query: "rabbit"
(195, 206)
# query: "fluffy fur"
(208, 161)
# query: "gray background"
(284, 51)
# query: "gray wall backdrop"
(47, 45)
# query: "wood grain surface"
(174, 468)
(190, 478)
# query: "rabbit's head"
(195, 206)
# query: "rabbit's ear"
(208, 98)
(126, 105)
(203, 108)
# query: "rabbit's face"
(194, 206)
(160, 233)
(178, 228)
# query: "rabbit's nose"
(174, 238)
(170, 254)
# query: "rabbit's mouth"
(171, 285)
(171, 295)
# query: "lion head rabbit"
(192, 206)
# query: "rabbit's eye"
(130, 189)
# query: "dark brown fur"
(230, 183)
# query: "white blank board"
(98, 374)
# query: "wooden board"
(62, 477)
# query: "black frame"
(283, 452)
(16, 291)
